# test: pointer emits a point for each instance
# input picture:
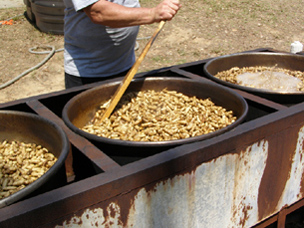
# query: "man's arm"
(115, 15)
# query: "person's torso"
(94, 50)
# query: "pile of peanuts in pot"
(159, 116)
(21, 164)
(262, 77)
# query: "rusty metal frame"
(121, 184)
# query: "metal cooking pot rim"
(245, 88)
(158, 143)
(52, 171)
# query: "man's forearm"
(114, 15)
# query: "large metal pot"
(81, 108)
(280, 60)
(31, 128)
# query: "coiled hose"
(50, 53)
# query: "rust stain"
(302, 179)
(245, 212)
(293, 188)
(108, 217)
(282, 146)
(248, 173)
(191, 181)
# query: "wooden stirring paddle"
(128, 78)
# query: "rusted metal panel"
(224, 192)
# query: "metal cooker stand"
(251, 176)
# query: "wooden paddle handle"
(128, 78)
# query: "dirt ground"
(202, 29)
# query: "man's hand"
(166, 10)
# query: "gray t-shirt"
(93, 50)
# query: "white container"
(296, 47)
